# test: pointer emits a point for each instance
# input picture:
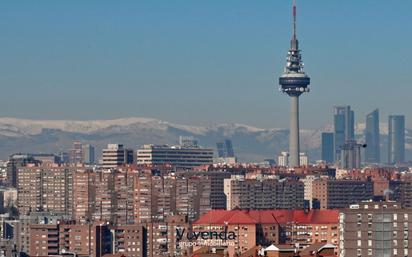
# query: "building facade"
(344, 126)
(180, 157)
(396, 139)
(375, 229)
(372, 138)
(328, 152)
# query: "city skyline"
(60, 54)
(174, 128)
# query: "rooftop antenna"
(294, 41)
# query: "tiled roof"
(269, 217)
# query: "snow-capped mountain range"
(250, 143)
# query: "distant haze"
(202, 62)
(250, 143)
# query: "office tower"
(129, 156)
(225, 149)
(64, 157)
(396, 139)
(187, 141)
(350, 155)
(44, 189)
(328, 151)
(344, 125)
(294, 82)
(335, 193)
(88, 154)
(266, 193)
(180, 157)
(375, 229)
(283, 159)
(372, 151)
(76, 153)
(303, 159)
(113, 156)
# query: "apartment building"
(335, 193)
(243, 230)
(375, 229)
(45, 188)
(265, 193)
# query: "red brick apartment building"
(265, 227)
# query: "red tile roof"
(269, 217)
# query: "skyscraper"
(344, 125)
(88, 154)
(372, 151)
(350, 155)
(328, 151)
(396, 139)
(225, 149)
(294, 82)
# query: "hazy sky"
(202, 62)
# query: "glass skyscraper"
(344, 125)
(396, 139)
(372, 151)
(328, 152)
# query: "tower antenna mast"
(294, 19)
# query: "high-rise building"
(396, 139)
(340, 193)
(303, 159)
(268, 193)
(114, 156)
(344, 126)
(180, 157)
(350, 155)
(42, 188)
(88, 154)
(15, 162)
(76, 153)
(225, 149)
(187, 141)
(294, 82)
(328, 152)
(283, 159)
(157, 197)
(84, 194)
(375, 229)
(372, 151)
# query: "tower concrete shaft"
(294, 82)
(294, 146)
